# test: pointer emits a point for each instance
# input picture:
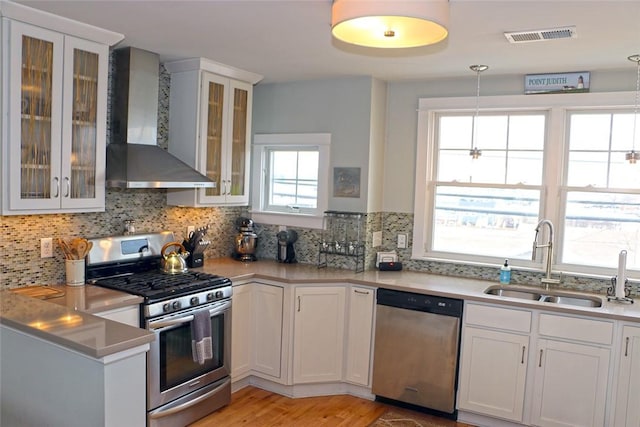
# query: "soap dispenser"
(505, 273)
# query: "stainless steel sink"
(545, 296)
(573, 300)
(512, 293)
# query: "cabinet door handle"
(299, 302)
(626, 347)
(522, 359)
(57, 185)
(67, 186)
(540, 361)
(361, 292)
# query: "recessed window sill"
(288, 219)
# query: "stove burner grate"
(154, 285)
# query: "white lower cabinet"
(241, 316)
(562, 376)
(570, 384)
(494, 360)
(359, 334)
(627, 402)
(267, 329)
(318, 337)
(493, 371)
(256, 331)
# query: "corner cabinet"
(54, 102)
(318, 335)
(210, 129)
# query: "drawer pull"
(522, 359)
(361, 292)
(540, 361)
(626, 347)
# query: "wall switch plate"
(46, 247)
(402, 240)
(282, 228)
(190, 229)
(376, 239)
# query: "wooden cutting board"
(38, 291)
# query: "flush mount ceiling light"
(474, 152)
(390, 24)
(632, 157)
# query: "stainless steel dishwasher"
(416, 350)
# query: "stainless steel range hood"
(133, 158)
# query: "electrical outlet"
(402, 240)
(46, 247)
(282, 228)
(190, 229)
(376, 239)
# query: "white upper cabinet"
(54, 99)
(210, 129)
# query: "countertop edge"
(411, 281)
(22, 313)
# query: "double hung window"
(563, 161)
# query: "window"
(290, 176)
(602, 202)
(561, 158)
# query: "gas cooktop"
(157, 286)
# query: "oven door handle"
(214, 311)
(183, 406)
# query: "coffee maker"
(246, 240)
(286, 253)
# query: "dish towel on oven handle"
(201, 345)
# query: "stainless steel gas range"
(181, 388)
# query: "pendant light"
(390, 24)
(632, 156)
(474, 152)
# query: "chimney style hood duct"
(133, 158)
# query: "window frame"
(552, 205)
(262, 145)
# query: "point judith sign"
(557, 83)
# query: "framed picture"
(557, 83)
(346, 182)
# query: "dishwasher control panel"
(420, 302)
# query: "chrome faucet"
(546, 280)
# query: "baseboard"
(304, 390)
(484, 421)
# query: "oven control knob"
(210, 296)
(219, 294)
(176, 305)
(166, 307)
(194, 300)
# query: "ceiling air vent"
(541, 35)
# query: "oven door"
(171, 371)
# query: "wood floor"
(258, 408)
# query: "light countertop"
(67, 320)
(410, 281)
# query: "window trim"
(557, 107)
(261, 144)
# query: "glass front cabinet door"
(225, 139)
(54, 141)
